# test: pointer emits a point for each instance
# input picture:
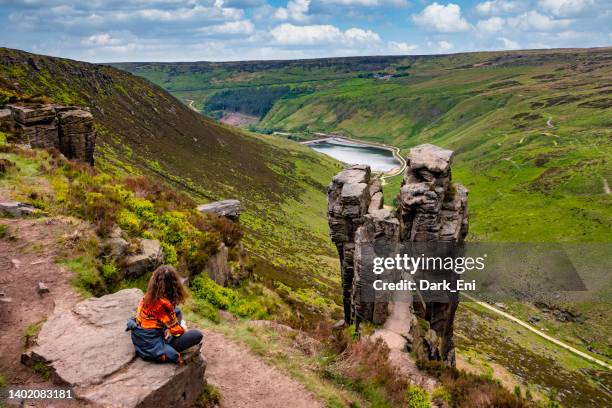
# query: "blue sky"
(222, 30)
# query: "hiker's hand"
(167, 334)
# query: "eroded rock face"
(150, 257)
(430, 209)
(88, 348)
(69, 129)
(348, 199)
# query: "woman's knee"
(196, 335)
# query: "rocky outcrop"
(149, 257)
(226, 208)
(69, 129)
(348, 200)
(431, 209)
(218, 268)
(88, 349)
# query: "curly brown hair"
(165, 283)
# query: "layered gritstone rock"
(348, 200)
(69, 129)
(431, 209)
(94, 331)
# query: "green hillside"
(143, 130)
(532, 129)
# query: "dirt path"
(245, 381)
(191, 102)
(538, 332)
(27, 256)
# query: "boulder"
(225, 208)
(16, 209)
(114, 247)
(88, 349)
(150, 257)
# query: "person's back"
(158, 331)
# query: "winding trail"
(246, 381)
(191, 102)
(538, 332)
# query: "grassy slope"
(529, 182)
(142, 129)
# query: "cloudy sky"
(221, 30)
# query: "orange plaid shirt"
(159, 315)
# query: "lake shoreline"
(356, 142)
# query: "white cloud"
(494, 7)
(103, 39)
(289, 34)
(367, 3)
(230, 27)
(108, 42)
(182, 14)
(490, 25)
(508, 44)
(534, 21)
(402, 47)
(296, 10)
(445, 46)
(564, 8)
(444, 19)
(357, 35)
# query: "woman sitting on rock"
(158, 331)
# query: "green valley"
(531, 129)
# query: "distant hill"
(143, 129)
(532, 129)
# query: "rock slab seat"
(88, 349)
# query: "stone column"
(431, 209)
(348, 199)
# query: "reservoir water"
(378, 158)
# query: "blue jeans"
(188, 339)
